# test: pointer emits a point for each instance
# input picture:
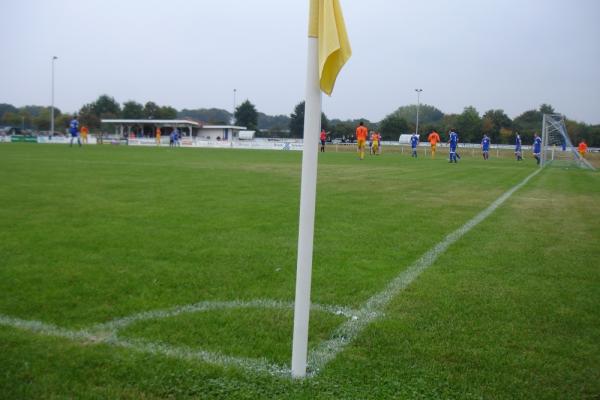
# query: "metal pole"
(52, 108)
(233, 114)
(418, 106)
(543, 146)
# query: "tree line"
(470, 124)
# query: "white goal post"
(557, 148)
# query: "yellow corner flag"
(326, 23)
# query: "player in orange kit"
(361, 139)
(433, 138)
(158, 134)
(375, 140)
(582, 148)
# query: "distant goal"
(557, 148)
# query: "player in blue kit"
(414, 142)
(74, 131)
(485, 147)
(537, 147)
(518, 153)
(453, 144)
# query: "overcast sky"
(502, 54)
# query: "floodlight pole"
(52, 108)
(418, 106)
(234, 101)
(233, 115)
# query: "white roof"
(170, 122)
(152, 121)
(241, 128)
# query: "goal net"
(557, 149)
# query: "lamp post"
(418, 106)
(233, 115)
(52, 108)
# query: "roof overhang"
(168, 122)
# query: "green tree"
(88, 117)
(132, 110)
(151, 110)
(547, 109)
(12, 119)
(427, 115)
(61, 123)
(26, 120)
(106, 107)
(493, 122)
(297, 121)
(527, 124)
(393, 126)
(246, 115)
(450, 121)
(273, 123)
(6, 108)
(468, 125)
(342, 129)
(34, 111)
(211, 115)
(594, 135)
(166, 112)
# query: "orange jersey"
(582, 147)
(433, 137)
(361, 132)
(84, 130)
(323, 135)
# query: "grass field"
(93, 238)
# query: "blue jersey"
(518, 143)
(414, 140)
(453, 140)
(537, 145)
(74, 127)
(485, 143)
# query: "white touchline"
(357, 320)
(373, 307)
(108, 333)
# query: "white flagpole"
(308, 194)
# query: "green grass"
(94, 234)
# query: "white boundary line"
(373, 307)
(121, 323)
(255, 365)
(318, 358)
(107, 333)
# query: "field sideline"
(96, 235)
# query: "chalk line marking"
(216, 305)
(357, 320)
(186, 353)
(374, 306)
(107, 333)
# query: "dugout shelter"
(146, 128)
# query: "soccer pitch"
(156, 273)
